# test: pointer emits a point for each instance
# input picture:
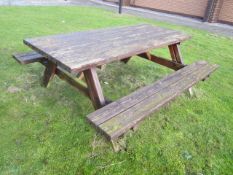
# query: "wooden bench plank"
(129, 118)
(126, 102)
(126, 117)
(27, 58)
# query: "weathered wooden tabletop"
(79, 51)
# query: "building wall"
(226, 12)
(195, 8)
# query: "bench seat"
(27, 58)
(118, 117)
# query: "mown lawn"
(44, 131)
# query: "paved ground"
(221, 29)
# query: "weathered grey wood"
(81, 50)
(118, 117)
(27, 58)
(162, 61)
(32, 57)
(49, 73)
(94, 88)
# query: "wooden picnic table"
(86, 50)
(72, 55)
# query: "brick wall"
(226, 13)
(195, 8)
(208, 10)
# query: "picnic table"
(75, 57)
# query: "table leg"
(175, 53)
(177, 57)
(49, 73)
(94, 88)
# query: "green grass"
(44, 131)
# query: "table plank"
(79, 51)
